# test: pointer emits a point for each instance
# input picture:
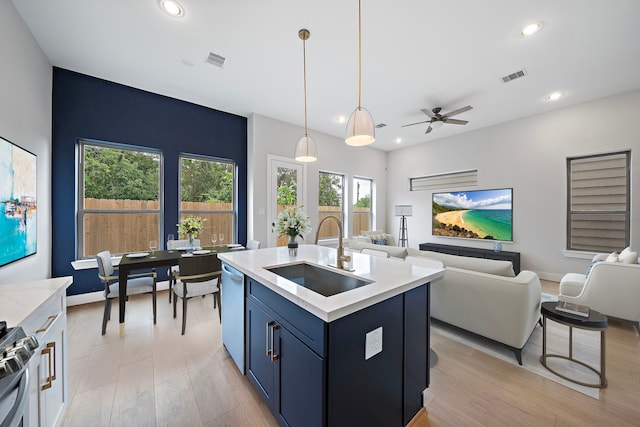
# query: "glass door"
(286, 189)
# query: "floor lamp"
(403, 211)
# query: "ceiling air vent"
(216, 59)
(380, 125)
(513, 76)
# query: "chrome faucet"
(341, 258)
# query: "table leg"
(570, 342)
(603, 361)
(122, 299)
(544, 337)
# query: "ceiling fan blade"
(456, 121)
(427, 112)
(417, 123)
(429, 128)
(458, 111)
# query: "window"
(119, 198)
(362, 205)
(330, 203)
(207, 190)
(598, 205)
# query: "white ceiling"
(416, 54)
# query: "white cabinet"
(48, 367)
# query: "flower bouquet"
(293, 223)
(191, 226)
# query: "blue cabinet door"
(299, 381)
(258, 363)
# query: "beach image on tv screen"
(478, 214)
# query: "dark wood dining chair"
(138, 283)
(199, 275)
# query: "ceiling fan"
(436, 119)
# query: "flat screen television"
(18, 228)
(477, 214)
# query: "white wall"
(528, 155)
(25, 120)
(270, 136)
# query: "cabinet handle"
(51, 347)
(274, 356)
(266, 338)
(48, 323)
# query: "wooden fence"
(121, 232)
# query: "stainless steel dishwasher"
(232, 296)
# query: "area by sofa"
(482, 296)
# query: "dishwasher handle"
(233, 275)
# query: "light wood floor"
(156, 377)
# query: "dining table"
(151, 260)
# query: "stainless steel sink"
(318, 279)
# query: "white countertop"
(19, 300)
(390, 277)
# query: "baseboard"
(99, 295)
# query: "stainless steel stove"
(15, 351)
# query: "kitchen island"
(358, 357)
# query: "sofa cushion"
(380, 235)
(613, 257)
(482, 265)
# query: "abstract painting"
(18, 226)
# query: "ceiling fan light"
(306, 150)
(437, 124)
(360, 128)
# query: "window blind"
(598, 202)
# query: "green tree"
(363, 202)
(330, 190)
(206, 181)
(287, 187)
(120, 174)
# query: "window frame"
(341, 212)
(626, 212)
(370, 213)
(234, 191)
(82, 211)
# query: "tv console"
(514, 257)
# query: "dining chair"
(138, 283)
(173, 271)
(199, 275)
(253, 244)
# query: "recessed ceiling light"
(341, 119)
(554, 96)
(172, 8)
(398, 140)
(531, 29)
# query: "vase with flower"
(293, 223)
(190, 227)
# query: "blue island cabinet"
(313, 373)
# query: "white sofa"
(479, 295)
(485, 297)
(611, 287)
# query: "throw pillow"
(628, 258)
(613, 257)
(379, 241)
(625, 251)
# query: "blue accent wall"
(85, 107)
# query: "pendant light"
(306, 149)
(360, 128)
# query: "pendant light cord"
(304, 68)
(359, 51)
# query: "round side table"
(595, 322)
